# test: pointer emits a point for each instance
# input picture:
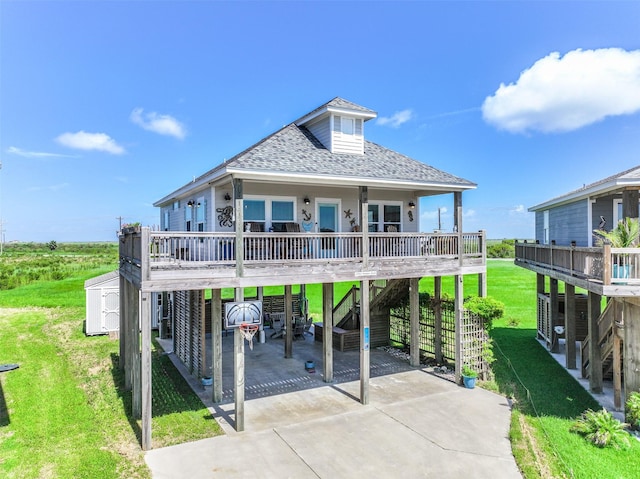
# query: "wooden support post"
(414, 315)
(457, 202)
(617, 376)
(364, 342)
(540, 283)
(238, 367)
(130, 312)
(631, 318)
(570, 325)
(595, 359)
(202, 350)
(216, 345)
(136, 391)
(122, 330)
(145, 373)
(288, 319)
(239, 219)
(327, 331)
(630, 207)
(364, 226)
(458, 314)
(554, 305)
(607, 267)
(437, 313)
(482, 277)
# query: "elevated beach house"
(314, 202)
(600, 328)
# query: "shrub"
(602, 429)
(487, 308)
(632, 408)
(505, 249)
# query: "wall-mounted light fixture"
(192, 203)
(412, 204)
(227, 197)
(306, 200)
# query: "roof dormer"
(339, 125)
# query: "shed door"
(110, 310)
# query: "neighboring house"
(574, 216)
(566, 250)
(315, 202)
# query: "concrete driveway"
(416, 425)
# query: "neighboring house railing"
(220, 248)
(605, 264)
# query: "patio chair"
(277, 324)
(298, 327)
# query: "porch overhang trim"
(329, 180)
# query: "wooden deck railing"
(605, 264)
(220, 248)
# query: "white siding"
(322, 131)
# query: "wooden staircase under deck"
(610, 341)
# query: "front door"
(327, 217)
(327, 223)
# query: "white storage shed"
(103, 304)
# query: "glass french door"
(327, 223)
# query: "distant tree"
(505, 249)
(52, 245)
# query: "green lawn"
(64, 412)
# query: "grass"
(64, 412)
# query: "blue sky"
(105, 107)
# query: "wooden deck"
(165, 261)
(603, 270)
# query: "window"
(384, 216)
(281, 213)
(176, 205)
(254, 212)
(347, 126)
(166, 225)
(274, 213)
(200, 214)
(392, 217)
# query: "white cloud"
(397, 119)
(566, 93)
(90, 141)
(518, 209)
(161, 124)
(35, 154)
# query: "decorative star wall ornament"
(347, 213)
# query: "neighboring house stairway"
(610, 336)
(346, 314)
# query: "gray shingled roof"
(294, 149)
(623, 177)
